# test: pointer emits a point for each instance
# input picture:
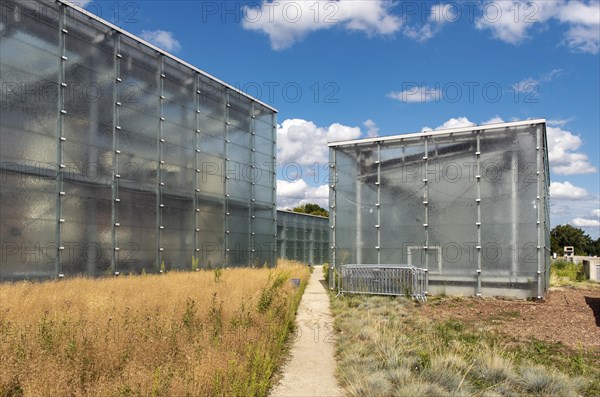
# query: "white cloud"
(559, 209)
(576, 212)
(372, 129)
(298, 192)
(551, 75)
(304, 143)
(511, 21)
(584, 19)
(579, 12)
(527, 85)
(559, 122)
(562, 146)
(420, 94)
(531, 85)
(288, 21)
(162, 39)
(584, 222)
(438, 16)
(564, 159)
(451, 123)
(456, 123)
(567, 191)
(339, 132)
(494, 120)
(584, 38)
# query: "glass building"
(302, 237)
(117, 157)
(470, 205)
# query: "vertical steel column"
(296, 240)
(197, 167)
(378, 203)
(332, 215)
(115, 164)
(226, 180)
(546, 215)
(426, 200)
(540, 246)
(283, 248)
(159, 174)
(514, 199)
(251, 241)
(358, 198)
(478, 202)
(274, 181)
(61, 138)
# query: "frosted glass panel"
(263, 145)
(178, 134)
(463, 204)
(239, 118)
(136, 235)
(298, 236)
(117, 153)
(28, 226)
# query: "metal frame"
(393, 280)
(309, 245)
(332, 216)
(473, 134)
(392, 138)
(114, 61)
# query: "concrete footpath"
(310, 371)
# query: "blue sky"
(354, 68)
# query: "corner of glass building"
(468, 205)
(119, 158)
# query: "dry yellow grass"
(179, 334)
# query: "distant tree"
(312, 209)
(565, 235)
(595, 247)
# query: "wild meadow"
(215, 332)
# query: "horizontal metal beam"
(393, 138)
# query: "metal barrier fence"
(383, 280)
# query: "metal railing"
(383, 280)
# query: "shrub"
(570, 270)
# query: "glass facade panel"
(115, 155)
(299, 237)
(468, 205)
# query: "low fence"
(383, 280)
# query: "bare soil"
(568, 315)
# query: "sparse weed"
(218, 272)
(195, 263)
(270, 290)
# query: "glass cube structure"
(117, 157)
(470, 205)
(302, 237)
